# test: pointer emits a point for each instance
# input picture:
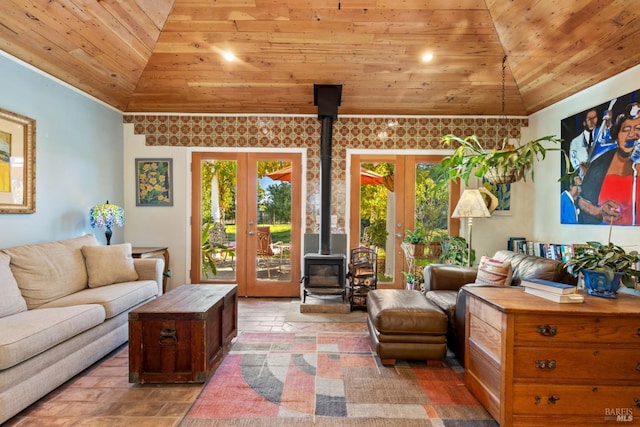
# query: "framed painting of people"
(17, 163)
(603, 147)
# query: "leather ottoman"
(403, 324)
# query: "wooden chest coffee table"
(182, 336)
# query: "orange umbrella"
(366, 176)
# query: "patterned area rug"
(330, 379)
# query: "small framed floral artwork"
(154, 182)
(503, 193)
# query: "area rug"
(330, 379)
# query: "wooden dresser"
(534, 362)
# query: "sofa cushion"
(494, 272)
(533, 267)
(400, 311)
(107, 265)
(445, 300)
(46, 271)
(11, 300)
(31, 332)
(115, 298)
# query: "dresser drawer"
(592, 361)
(485, 336)
(592, 400)
(581, 329)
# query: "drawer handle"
(168, 337)
(552, 400)
(637, 402)
(638, 366)
(537, 400)
(547, 330)
(546, 364)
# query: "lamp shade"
(471, 205)
(106, 215)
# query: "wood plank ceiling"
(166, 55)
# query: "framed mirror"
(17, 163)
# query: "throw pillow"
(107, 265)
(51, 270)
(11, 301)
(494, 272)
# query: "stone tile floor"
(102, 395)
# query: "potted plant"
(414, 242)
(504, 165)
(412, 281)
(455, 250)
(603, 267)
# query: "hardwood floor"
(102, 395)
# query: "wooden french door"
(246, 227)
(390, 208)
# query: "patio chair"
(220, 240)
(266, 249)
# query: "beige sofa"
(63, 306)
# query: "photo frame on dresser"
(17, 163)
(154, 182)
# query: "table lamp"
(471, 205)
(106, 215)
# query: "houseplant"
(413, 281)
(455, 250)
(506, 164)
(603, 267)
(415, 241)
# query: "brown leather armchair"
(445, 286)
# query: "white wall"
(79, 150)
(159, 226)
(547, 190)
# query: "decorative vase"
(504, 175)
(598, 284)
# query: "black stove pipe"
(325, 185)
(327, 98)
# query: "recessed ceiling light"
(228, 56)
(427, 57)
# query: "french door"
(401, 199)
(246, 225)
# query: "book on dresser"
(551, 296)
(549, 286)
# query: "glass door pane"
(218, 218)
(378, 215)
(273, 213)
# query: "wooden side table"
(151, 252)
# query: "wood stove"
(324, 275)
(324, 272)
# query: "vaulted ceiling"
(167, 55)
